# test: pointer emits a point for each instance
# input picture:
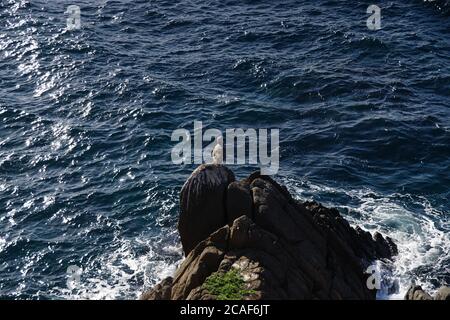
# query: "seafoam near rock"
(282, 248)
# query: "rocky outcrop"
(443, 293)
(282, 248)
(417, 293)
(161, 291)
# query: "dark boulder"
(203, 204)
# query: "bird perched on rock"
(217, 153)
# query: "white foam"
(123, 273)
(2, 244)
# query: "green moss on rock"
(227, 286)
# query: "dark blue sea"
(86, 117)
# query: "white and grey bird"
(217, 153)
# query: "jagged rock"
(442, 294)
(202, 204)
(239, 201)
(162, 291)
(199, 264)
(384, 247)
(416, 293)
(282, 248)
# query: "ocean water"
(86, 116)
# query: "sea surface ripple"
(86, 117)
